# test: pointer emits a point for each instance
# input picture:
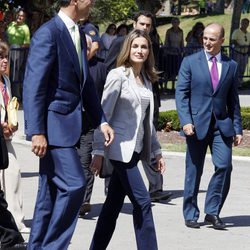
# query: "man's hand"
(160, 163)
(96, 164)
(188, 129)
(237, 140)
(108, 133)
(39, 145)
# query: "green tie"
(77, 42)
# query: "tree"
(106, 11)
(235, 23)
(149, 5)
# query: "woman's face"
(139, 51)
(112, 30)
(20, 17)
(3, 62)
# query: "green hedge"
(170, 119)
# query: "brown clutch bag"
(12, 112)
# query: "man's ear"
(134, 24)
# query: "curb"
(19, 139)
(208, 156)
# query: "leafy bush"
(168, 120)
(171, 118)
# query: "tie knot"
(213, 59)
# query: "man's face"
(143, 23)
(212, 40)
(83, 7)
(244, 24)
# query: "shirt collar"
(208, 56)
(67, 20)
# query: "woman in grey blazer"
(128, 106)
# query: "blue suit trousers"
(60, 195)
(221, 151)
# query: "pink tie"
(5, 95)
(214, 73)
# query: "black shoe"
(215, 221)
(192, 223)
(85, 208)
(160, 195)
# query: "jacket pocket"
(60, 108)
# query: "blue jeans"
(126, 180)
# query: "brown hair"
(124, 56)
(4, 48)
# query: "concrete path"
(171, 231)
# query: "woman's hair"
(124, 56)
(4, 48)
(122, 26)
(112, 25)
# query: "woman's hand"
(160, 163)
(14, 128)
(96, 164)
(7, 132)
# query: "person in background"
(10, 177)
(98, 72)
(57, 88)
(194, 39)
(106, 40)
(3, 36)
(209, 112)
(143, 20)
(122, 30)
(10, 237)
(18, 34)
(128, 93)
(90, 29)
(174, 44)
(241, 47)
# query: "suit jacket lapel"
(132, 84)
(69, 45)
(204, 68)
(84, 57)
(224, 70)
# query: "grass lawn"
(187, 23)
(182, 148)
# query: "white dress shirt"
(218, 62)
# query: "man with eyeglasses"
(241, 43)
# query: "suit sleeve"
(182, 94)
(233, 104)
(35, 89)
(111, 93)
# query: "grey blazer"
(121, 104)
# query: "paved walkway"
(171, 232)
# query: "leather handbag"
(106, 169)
(12, 109)
(4, 158)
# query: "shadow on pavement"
(237, 221)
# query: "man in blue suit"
(57, 88)
(209, 112)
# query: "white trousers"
(10, 180)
